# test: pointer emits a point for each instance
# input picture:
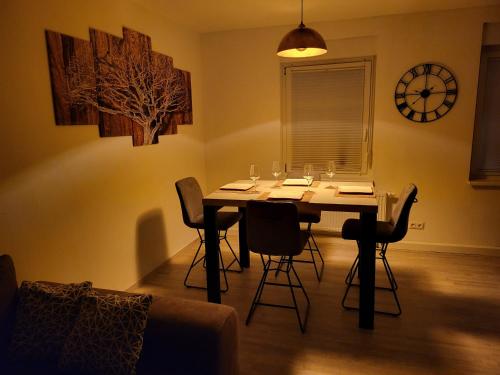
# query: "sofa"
(181, 336)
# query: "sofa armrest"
(8, 301)
(190, 337)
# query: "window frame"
(476, 178)
(365, 62)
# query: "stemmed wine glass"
(254, 175)
(308, 175)
(330, 171)
(276, 170)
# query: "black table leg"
(211, 253)
(242, 230)
(367, 270)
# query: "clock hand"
(420, 97)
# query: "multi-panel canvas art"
(119, 84)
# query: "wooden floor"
(450, 322)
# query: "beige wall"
(74, 206)
(242, 114)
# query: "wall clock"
(426, 92)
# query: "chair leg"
(280, 264)
(348, 281)
(392, 280)
(193, 263)
(258, 292)
(316, 249)
(302, 324)
(235, 260)
(263, 281)
(203, 258)
(223, 272)
(388, 269)
(352, 271)
(312, 250)
(390, 276)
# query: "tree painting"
(131, 89)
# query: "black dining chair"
(387, 232)
(273, 229)
(191, 199)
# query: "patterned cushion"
(45, 316)
(108, 335)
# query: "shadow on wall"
(151, 242)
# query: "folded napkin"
(286, 194)
(295, 182)
(237, 186)
(355, 189)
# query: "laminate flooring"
(450, 322)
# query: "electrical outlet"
(417, 225)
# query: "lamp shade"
(302, 42)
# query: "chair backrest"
(401, 212)
(191, 198)
(273, 228)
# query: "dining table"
(323, 195)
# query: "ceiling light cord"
(302, 14)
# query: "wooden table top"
(323, 195)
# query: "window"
(485, 160)
(327, 115)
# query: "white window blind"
(327, 110)
(485, 162)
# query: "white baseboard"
(430, 246)
(421, 246)
(448, 248)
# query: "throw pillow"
(45, 316)
(108, 335)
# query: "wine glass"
(276, 169)
(254, 175)
(330, 171)
(308, 174)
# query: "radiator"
(333, 221)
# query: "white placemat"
(295, 182)
(286, 194)
(355, 189)
(237, 186)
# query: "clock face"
(426, 92)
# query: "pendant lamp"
(302, 41)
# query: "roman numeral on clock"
(448, 104)
(449, 79)
(410, 115)
(402, 106)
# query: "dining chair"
(191, 200)
(387, 232)
(273, 229)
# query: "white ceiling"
(218, 15)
